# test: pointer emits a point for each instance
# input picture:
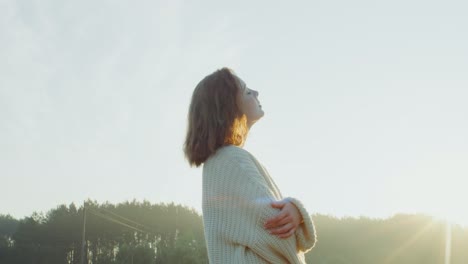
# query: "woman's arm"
(293, 220)
(305, 234)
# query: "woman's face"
(247, 100)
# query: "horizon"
(199, 212)
(364, 102)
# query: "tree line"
(130, 232)
(141, 232)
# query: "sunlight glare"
(448, 242)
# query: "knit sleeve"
(236, 204)
(306, 236)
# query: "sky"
(365, 101)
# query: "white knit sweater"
(237, 193)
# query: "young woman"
(245, 217)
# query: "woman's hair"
(214, 118)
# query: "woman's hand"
(286, 222)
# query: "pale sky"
(365, 101)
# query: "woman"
(245, 217)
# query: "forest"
(141, 232)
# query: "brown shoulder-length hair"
(214, 117)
